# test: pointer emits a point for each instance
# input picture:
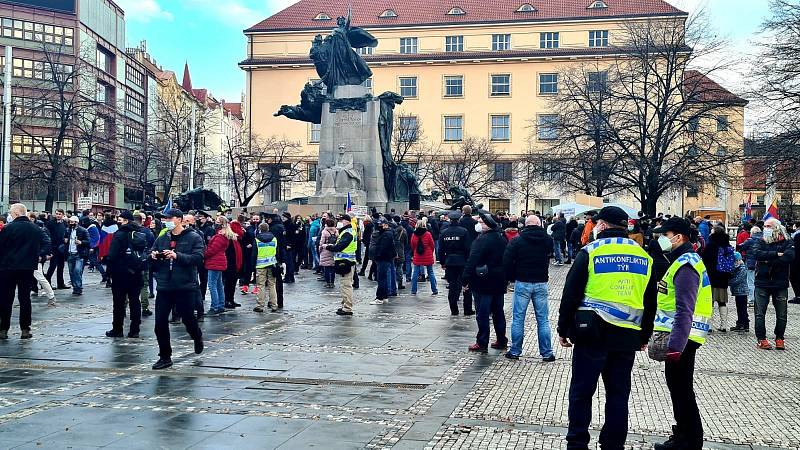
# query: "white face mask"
(9, 218)
(478, 227)
(170, 225)
(768, 234)
(664, 243)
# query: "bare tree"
(255, 164)
(470, 165)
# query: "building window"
(502, 171)
(526, 7)
(456, 11)
(311, 171)
(598, 81)
(722, 123)
(501, 85)
(409, 128)
(134, 75)
(34, 31)
(500, 128)
(32, 107)
(408, 45)
(322, 16)
(454, 43)
(313, 137)
(499, 204)
(691, 191)
(388, 13)
(30, 145)
(599, 4)
(547, 127)
(365, 50)
(105, 61)
(134, 105)
(38, 70)
(453, 128)
(101, 95)
(501, 42)
(548, 83)
(408, 87)
(694, 125)
(548, 40)
(454, 86)
(133, 135)
(598, 38)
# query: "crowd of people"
(632, 281)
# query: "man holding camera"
(176, 255)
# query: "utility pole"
(193, 135)
(5, 174)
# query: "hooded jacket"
(487, 250)
(329, 236)
(526, 258)
(746, 246)
(383, 249)
(424, 237)
(716, 242)
(179, 274)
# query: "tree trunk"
(48, 200)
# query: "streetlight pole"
(192, 134)
(5, 185)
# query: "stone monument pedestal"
(350, 157)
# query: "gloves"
(673, 357)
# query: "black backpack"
(420, 245)
(135, 258)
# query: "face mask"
(170, 225)
(665, 243)
(9, 219)
(630, 227)
(478, 228)
(768, 234)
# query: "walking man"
(20, 242)
(126, 262)
(76, 242)
(526, 263)
(604, 314)
(57, 229)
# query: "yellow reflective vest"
(266, 253)
(349, 253)
(665, 315)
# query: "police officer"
(279, 231)
(604, 314)
(454, 246)
(267, 263)
(684, 311)
(344, 255)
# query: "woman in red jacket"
(216, 263)
(422, 247)
(233, 258)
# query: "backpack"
(725, 260)
(420, 246)
(135, 259)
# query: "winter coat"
(487, 250)
(179, 274)
(47, 244)
(233, 256)
(704, 229)
(115, 260)
(266, 237)
(745, 248)
(424, 237)
(314, 229)
(56, 229)
(94, 235)
(638, 237)
(454, 246)
(559, 230)
(80, 234)
(738, 282)
(469, 223)
(716, 243)
(329, 235)
(586, 235)
(575, 238)
(572, 225)
(400, 240)
(20, 244)
(383, 246)
(215, 253)
(772, 271)
(526, 259)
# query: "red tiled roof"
(200, 94)
(187, 78)
(300, 16)
(698, 87)
(235, 109)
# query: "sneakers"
(162, 363)
(779, 345)
(510, 355)
(245, 289)
(434, 294)
(256, 290)
(114, 334)
(258, 309)
(740, 329)
(764, 344)
(477, 348)
(341, 312)
(550, 358)
(499, 345)
(376, 302)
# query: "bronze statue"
(335, 59)
(310, 107)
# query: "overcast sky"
(208, 34)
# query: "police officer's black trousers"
(589, 363)
(453, 275)
(680, 381)
(126, 286)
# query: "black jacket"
(383, 249)
(118, 248)
(469, 223)
(80, 234)
(772, 271)
(611, 337)
(208, 231)
(20, 244)
(179, 274)
(527, 258)
(279, 231)
(571, 226)
(487, 250)
(559, 230)
(454, 245)
(47, 244)
(710, 253)
(56, 229)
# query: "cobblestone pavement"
(391, 376)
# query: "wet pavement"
(391, 376)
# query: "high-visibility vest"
(349, 253)
(266, 253)
(665, 315)
(619, 270)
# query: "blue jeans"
(751, 283)
(393, 279)
(570, 250)
(383, 274)
(525, 293)
(94, 263)
(407, 266)
(75, 265)
(557, 251)
(415, 278)
(314, 253)
(217, 290)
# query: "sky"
(208, 34)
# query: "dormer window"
(456, 11)
(388, 13)
(322, 16)
(599, 4)
(526, 7)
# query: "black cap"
(127, 215)
(397, 219)
(454, 215)
(204, 214)
(676, 225)
(345, 217)
(613, 215)
(172, 213)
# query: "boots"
(723, 318)
(672, 443)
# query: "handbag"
(657, 347)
